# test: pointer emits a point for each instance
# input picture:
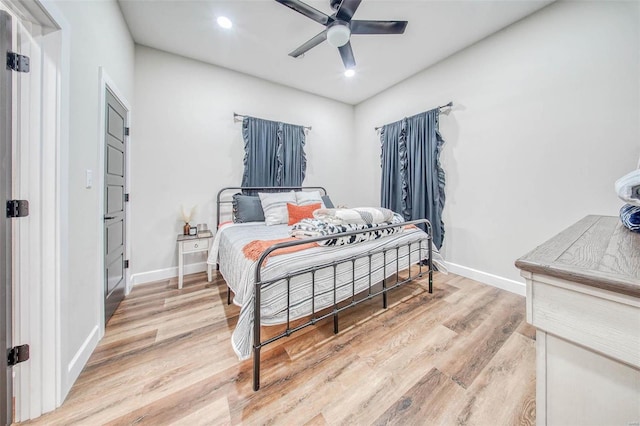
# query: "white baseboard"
(493, 280)
(166, 273)
(80, 359)
(490, 279)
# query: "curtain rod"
(450, 104)
(239, 117)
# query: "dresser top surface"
(597, 251)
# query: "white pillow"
(305, 198)
(274, 205)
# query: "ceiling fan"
(340, 27)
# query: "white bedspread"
(238, 271)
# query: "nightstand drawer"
(195, 245)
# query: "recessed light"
(224, 22)
(350, 72)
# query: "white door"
(6, 383)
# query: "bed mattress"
(239, 273)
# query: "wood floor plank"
(389, 379)
(179, 404)
(507, 377)
(440, 358)
(108, 351)
(215, 413)
(318, 420)
(423, 401)
(527, 330)
(476, 347)
(468, 320)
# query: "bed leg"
(228, 295)
(384, 300)
(335, 323)
(256, 369)
(430, 262)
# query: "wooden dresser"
(583, 297)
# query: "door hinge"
(126, 264)
(126, 131)
(16, 62)
(17, 354)
(17, 208)
(126, 198)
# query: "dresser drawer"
(601, 321)
(195, 245)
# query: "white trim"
(166, 273)
(62, 42)
(513, 286)
(81, 357)
(106, 82)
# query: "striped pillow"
(274, 206)
(305, 198)
(630, 217)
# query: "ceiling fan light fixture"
(224, 22)
(338, 35)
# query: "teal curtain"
(412, 177)
(292, 159)
(273, 153)
(394, 163)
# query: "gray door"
(114, 210)
(6, 385)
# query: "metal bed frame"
(258, 343)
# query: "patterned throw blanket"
(254, 249)
(309, 228)
(357, 216)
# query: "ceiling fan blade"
(307, 11)
(347, 9)
(347, 56)
(378, 27)
(309, 44)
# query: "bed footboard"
(413, 248)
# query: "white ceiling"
(264, 32)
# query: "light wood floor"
(461, 356)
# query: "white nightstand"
(191, 244)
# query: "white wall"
(98, 37)
(186, 147)
(546, 118)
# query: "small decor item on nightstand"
(193, 230)
(186, 216)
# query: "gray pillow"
(327, 202)
(247, 208)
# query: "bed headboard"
(220, 198)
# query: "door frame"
(107, 83)
(37, 386)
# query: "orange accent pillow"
(297, 213)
